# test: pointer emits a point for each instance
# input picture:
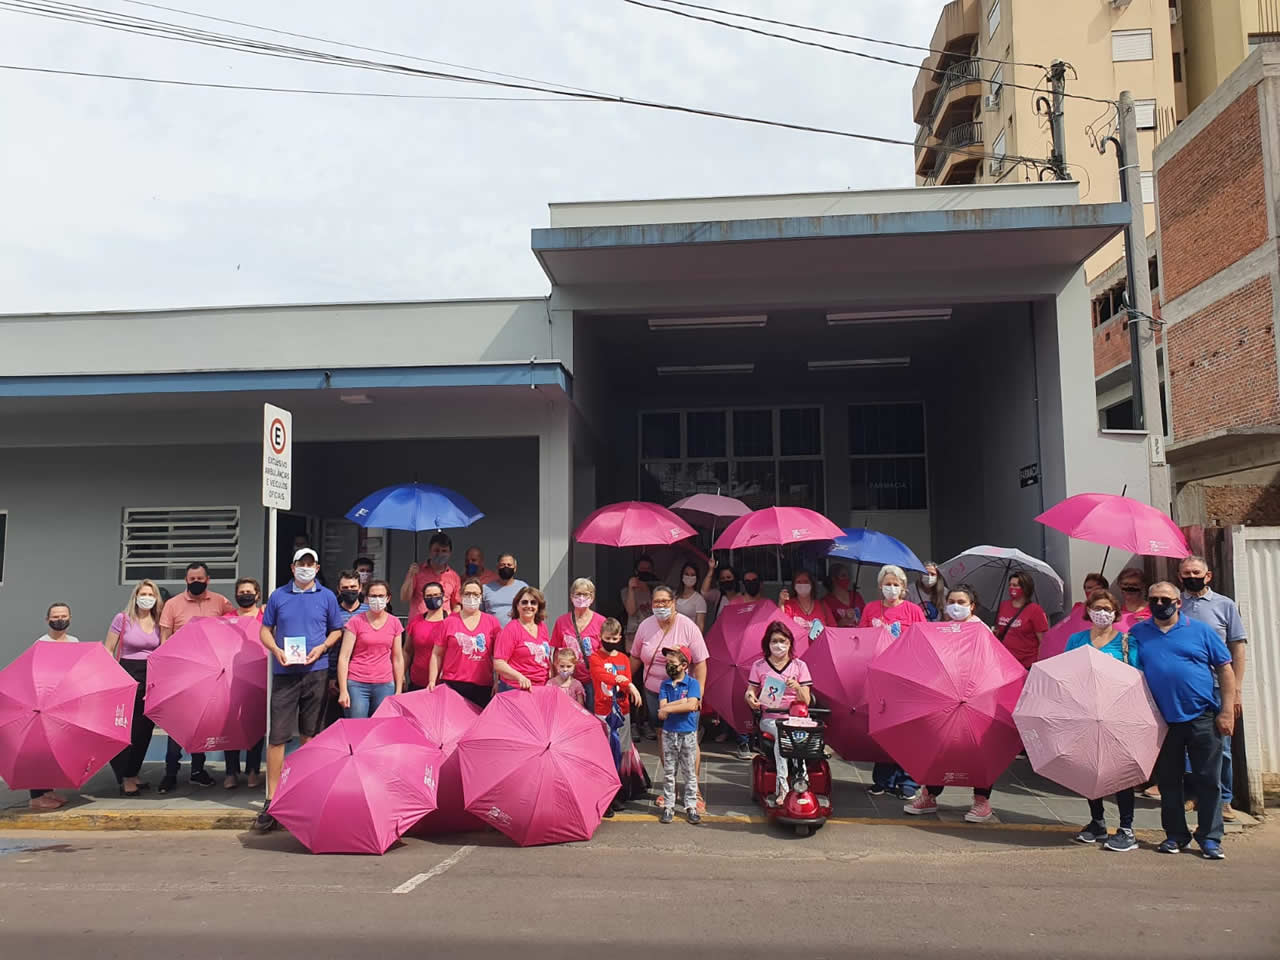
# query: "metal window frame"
(923, 454)
(993, 27)
(4, 542)
(125, 543)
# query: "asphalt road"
(637, 890)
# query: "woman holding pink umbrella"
(463, 655)
(133, 635)
(892, 611)
(801, 606)
(248, 595)
(58, 617)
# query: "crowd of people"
(341, 653)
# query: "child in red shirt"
(614, 693)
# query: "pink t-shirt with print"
(895, 619)
(529, 656)
(468, 654)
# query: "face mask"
(663, 613)
(440, 560)
(363, 576)
(1193, 584)
(349, 596)
(59, 624)
(779, 649)
(434, 603)
(958, 611)
(564, 673)
(470, 603)
(804, 589)
(1015, 592)
(472, 569)
(611, 646)
(752, 587)
(645, 576)
(246, 600)
(1102, 618)
(305, 574)
(843, 582)
(506, 573)
(377, 604)
(1162, 608)
(728, 586)
(928, 579)
(197, 588)
(146, 603)
(890, 592)
(581, 601)
(674, 670)
(689, 579)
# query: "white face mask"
(146, 603)
(928, 579)
(689, 579)
(305, 574)
(958, 611)
(804, 589)
(363, 577)
(1102, 618)
(779, 649)
(890, 592)
(377, 604)
(470, 602)
(663, 613)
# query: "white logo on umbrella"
(429, 777)
(799, 532)
(497, 815)
(120, 717)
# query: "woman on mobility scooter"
(777, 681)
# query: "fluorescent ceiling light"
(706, 368)
(886, 316)
(860, 363)
(705, 323)
(355, 399)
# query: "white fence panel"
(1256, 560)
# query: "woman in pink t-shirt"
(844, 603)
(891, 611)
(579, 630)
(776, 681)
(522, 657)
(463, 657)
(423, 635)
(248, 618)
(800, 606)
(1021, 623)
(371, 664)
(133, 636)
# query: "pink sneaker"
(922, 804)
(980, 812)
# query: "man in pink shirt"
(436, 570)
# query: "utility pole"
(1142, 326)
(1058, 78)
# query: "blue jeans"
(366, 698)
(1228, 794)
(1197, 739)
(893, 778)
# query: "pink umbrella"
(838, 662)
(538, 767)
(444, 715)
(942, 700)
(777, 526)
(733, 647)
(1117, 521)
(358, 786)
(207, 686)
(707, 508)
(65, 710)
(632, 523)
(1089, 723)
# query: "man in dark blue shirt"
(1180, 659)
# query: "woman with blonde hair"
(133, 636)
(579, 630)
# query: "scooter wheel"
(802, 831)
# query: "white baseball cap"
(304, 552)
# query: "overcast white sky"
(119, 194)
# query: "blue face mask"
(473, 569)
(434, 603)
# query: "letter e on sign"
(277, 457)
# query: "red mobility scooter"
(801, 739)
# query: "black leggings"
(1124, 800)
(252, 760)
(128, 762)
(977, 791)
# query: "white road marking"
(414, 882)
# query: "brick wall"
(1111, 342)
(1240, 503)
(1223, 364)
(1211, 210)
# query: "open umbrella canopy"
(414, 506)
(538, 767)
(708, 508)
(207, 686)
(65, 710)
(633, 523)
(733, 647)
(777, 527)
(838, 662)
(987, 569)
(444, 715)
(358, 786)
(874, 549)
(1119, 522)
(941, 703)
(1089, 723)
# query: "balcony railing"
(959, 136)
(966, 71)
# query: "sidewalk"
(1021, 800)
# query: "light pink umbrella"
(838, 662)
(632, 523)
(538, 767)
(207, 686)
(941, 701)
(444, 715)
(777, 527)
(1089, 723)
(358, 786)
(65, 710)
(733, 647)
(1119, 522)
(707, 508)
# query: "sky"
(126, 195)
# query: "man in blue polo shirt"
(1180, 658)
(300, 625)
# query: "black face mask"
(1193, 584)
(728, 586)
(434, 603)
(59, 624)
(349, 596)
(611, 646)
(645, 576)
(197, 588)
(506, 573)
(674, 671)
(1163, 608)
(246, 600)
(752, 587)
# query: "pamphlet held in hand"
(295, 650)
(772, 692)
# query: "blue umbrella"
(414, 506)
(872, 547)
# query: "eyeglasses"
(528, 603)
(1130, 589)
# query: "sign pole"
(277, 495)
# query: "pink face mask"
(1015, 592)
(581, 601)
